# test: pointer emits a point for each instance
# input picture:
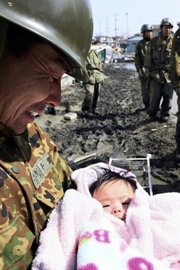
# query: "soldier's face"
(166, 30)
(148, 35)
(28, 85)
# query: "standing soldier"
(175, 69)
(140, 52)
(93, 86)
(157, 67)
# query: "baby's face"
(115, 197)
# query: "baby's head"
(114, 192)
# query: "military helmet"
(67, 24)
(146, 27)
(166, 21)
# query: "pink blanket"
(80, 235)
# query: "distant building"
(104, 39)
(131, 43)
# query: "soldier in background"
(93, 86)
(175, 75)
(157, 68)
(140, 51)
(38, 45)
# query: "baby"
(84, 233)
(114, 192)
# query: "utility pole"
(100, 29)
(115, 17)
(107, 28)
(127, 25)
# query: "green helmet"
(146, 27)
(67, 24)
(166, 21)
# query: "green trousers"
(91, 96)
(160, 94)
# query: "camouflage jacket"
(175, 60)
(140, 51)
(157, 58)
(94, 67)
(33, 178)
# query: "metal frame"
(141, 165)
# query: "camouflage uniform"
(93, 86)
(33, 178)
(175, 73)
(157, 66)
(140, 52)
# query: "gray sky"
(122, 17)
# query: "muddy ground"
(120, 128)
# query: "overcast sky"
(122, 17)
